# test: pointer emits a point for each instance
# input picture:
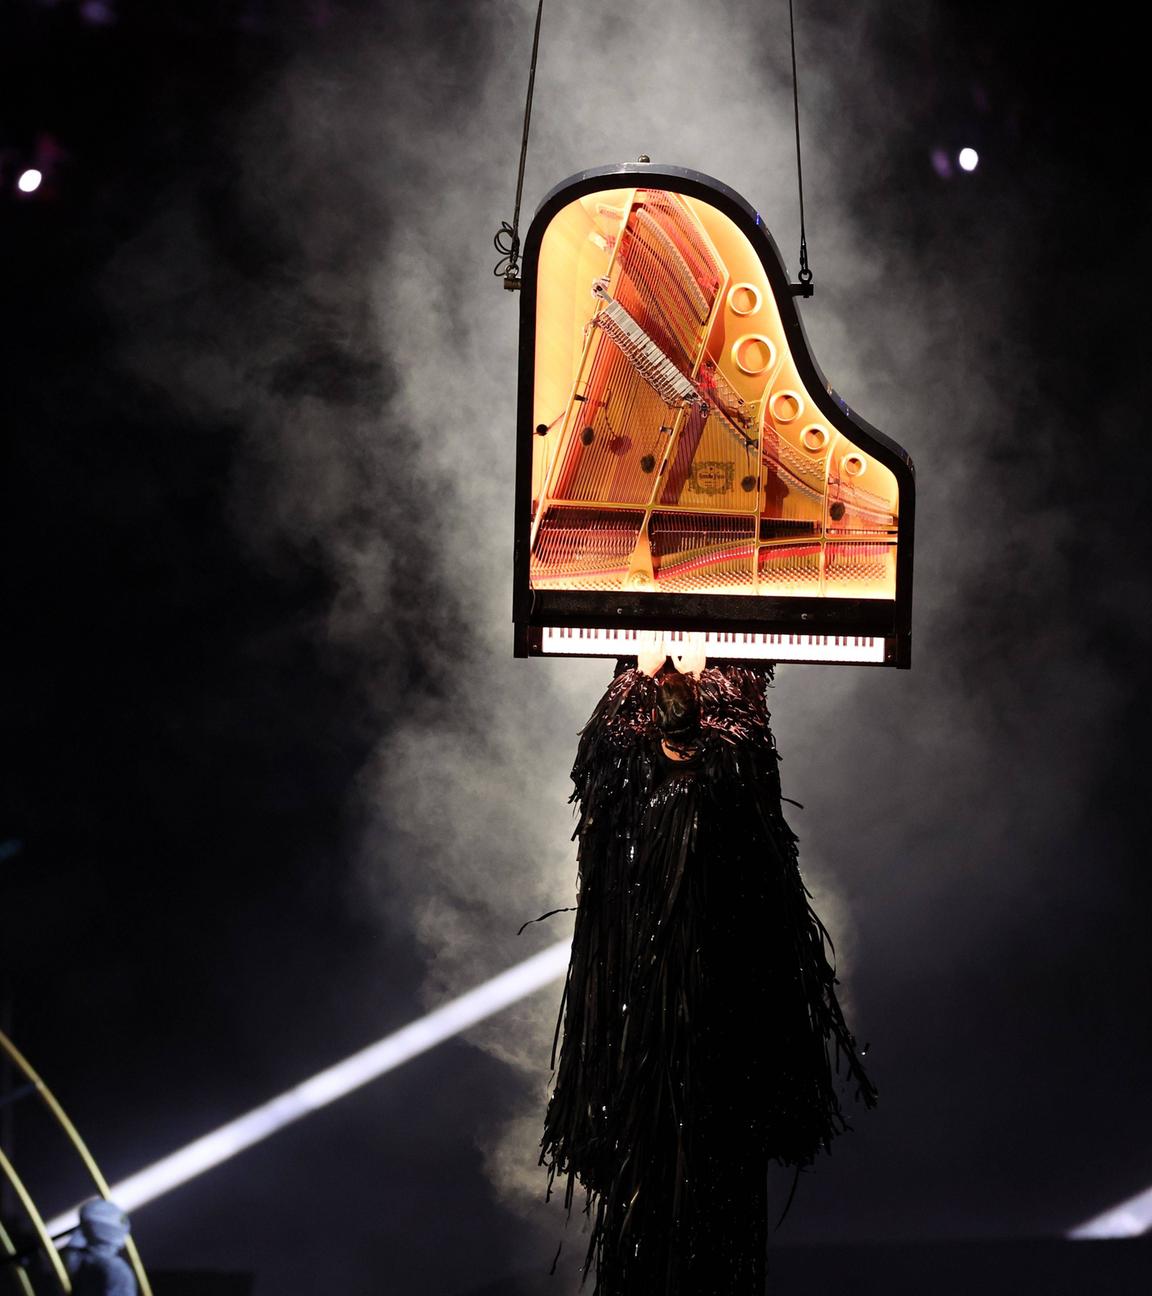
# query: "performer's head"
(103, 1222)
(677, 710)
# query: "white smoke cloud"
(479, 786)
(386, 170)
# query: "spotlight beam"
(335, 1082)
(1127, 1219)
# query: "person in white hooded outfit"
(92, 1254)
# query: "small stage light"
(29, 180)
(100, 13)
(968, 157)
(326, 1086)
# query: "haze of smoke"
(498, 754)
(406, 492)
(901, 339)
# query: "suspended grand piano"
(683, 467)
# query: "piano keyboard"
(576, 640)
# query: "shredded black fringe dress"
(701, 1030)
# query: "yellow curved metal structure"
(17, 1271)
(25, 1199)
(58, 1114)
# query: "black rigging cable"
(805, 287)
(507, 240)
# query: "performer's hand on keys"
(651, 652)
(693, 659)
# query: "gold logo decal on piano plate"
(711, 476)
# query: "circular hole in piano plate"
(744, 299)
(786, 406)
(854, 465)
(814, 438)
(753, 354)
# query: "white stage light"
(29, 180)
(325, 1087)
(968, 158)
(1129, 1219)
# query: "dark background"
(184, 924)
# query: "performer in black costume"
(701, 1030)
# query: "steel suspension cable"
(805, 288)
(507, 240)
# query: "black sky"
(193, 708)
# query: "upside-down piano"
(684, 470)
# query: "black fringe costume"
(701, 1030)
